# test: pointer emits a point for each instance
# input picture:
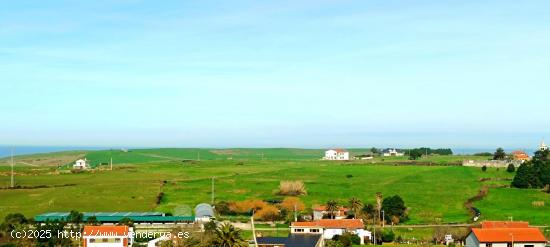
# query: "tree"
(394, 206)
(13, 221)
(414, 154)
(484, 168)
(125, 222)
(511, 168)
(332, 207)
(521, 179)
(267, 213)
(369, 211)
(499, 154)
(228, 236)
(92, 220)
(379, 198)
(75, 217)
(293, 203)
(355, 205)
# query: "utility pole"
(253, 229)
(198, 156)
(212, 190)
(111, 163)
(12, 181)
(383, 219)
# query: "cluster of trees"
(262, 210)
(391, 210)
(534, 173)
(224, 235)
(416, 153)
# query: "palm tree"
(228, 236)
(355, 205)
(332, 207)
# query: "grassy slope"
(431, 192)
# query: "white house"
(107, 236)
(392, 152)
(328, 228)
(336, 154)
(80, 164)
(505, 234)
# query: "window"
(314, 230)
(299, 230)
(529, 245)
(92, 240)
(117, 240)
(104, 240)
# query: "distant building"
(392, 152)
(204, 212)
(543, 146)
(505, 234)
(321, 211)
(329, 228)
(107, 236)
(336, 154)
(520, 156)
(80, 164)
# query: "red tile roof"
(339, 150)
(507, 235)
(105, 231)
(330, 223)
(504, 224)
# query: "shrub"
(388, 236)
(511, 168)
(247, 206)
(349, 176)
(292, 188)
(290, 202)
(267, 213)
(484, 168)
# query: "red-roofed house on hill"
(520, 156)
(336, 154)
(505, 234)
(107, 236)
(329, 228)
(321, 211)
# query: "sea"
(5, 151)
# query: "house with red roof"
(336, 154)
(505, 234)
(107, 236)
(520, 156)
(320, 211)
(328, 228)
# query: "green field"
(434, 193)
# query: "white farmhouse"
(328, 228)
(80, 164)
(392, 152)
(336, 154)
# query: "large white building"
(505, 234)
(543, 146)
(336, 154)
(328, 228)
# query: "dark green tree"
(394, 206)
(499, 154)
(511, 168)
(414, 154)
(484, 168)
(521, 179)
(92, 220)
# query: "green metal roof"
(117, 216)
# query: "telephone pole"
(111, 163)
(12, 181)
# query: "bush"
(267, 213)
(388, 236)
(247, 206)
(222, 208)
(349, 176)
(291, 203)
(484, 168)
(511, 168)
(292, 188)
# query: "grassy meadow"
(434, 193)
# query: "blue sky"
(275, 73)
